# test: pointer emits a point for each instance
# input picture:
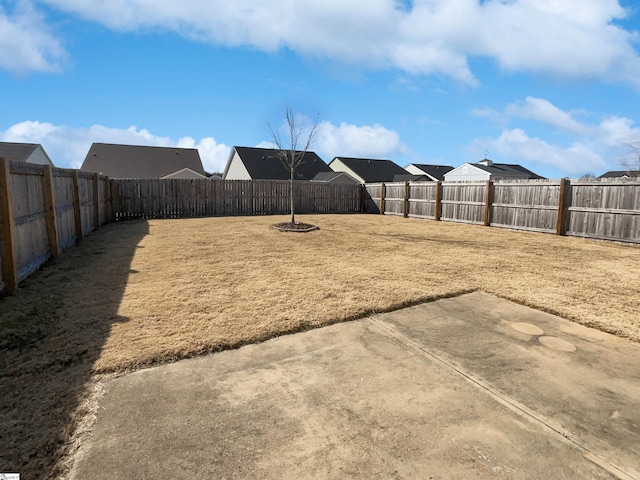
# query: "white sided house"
(25, 152)
(487, 170)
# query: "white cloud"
(572, 38)
(619, 132)
(68, 146)
(591, 147)
(574, 159)
(347, 140)
(544, 111)
(26, 43)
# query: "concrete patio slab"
(468, 387)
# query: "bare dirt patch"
(146, 292)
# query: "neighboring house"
(434, 172)
(136, 161)
(246, 163)
(25, 152)
(623, 174)
(334, 177)
(487, 170)
(367, 170)
(408, 177)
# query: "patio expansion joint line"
(510, 403)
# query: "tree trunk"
(293, 216)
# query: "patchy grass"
(139, 293)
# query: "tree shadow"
(51, 333)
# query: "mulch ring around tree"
(298, 227)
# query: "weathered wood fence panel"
(463, 202)
(64, 205)
(29, 216)
(422, 199)
(608, 210)
(530, 205)
(43, 210)
(157, 198)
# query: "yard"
(139, 293)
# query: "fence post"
(438, 205)
(562, 207)
(405, 207)
(382, 192)
(50, 205)
(77, 212)
(363, 197)
(8, 250)
(488, 200)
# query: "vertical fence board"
(8, 247)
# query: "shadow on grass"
(51, 333)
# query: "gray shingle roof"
(435, 171)
(17, 151)
(408, 177)
(136, 161)
(508, 170)
(621, 173)
(373, 170)
(264, 164)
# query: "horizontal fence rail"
(44, 210)
(606, 210)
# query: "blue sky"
(553, 85)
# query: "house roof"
(17, 151)
(408, 177)
(434, 171)
(136, 161)
(372, 170)
(505, 170)
(332, 176)
(621, 173)
(264, 164)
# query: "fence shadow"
(51, 333)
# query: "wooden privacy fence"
(157, 198)
(44, 210)
(608, 210)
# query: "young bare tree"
(631, 162)
(292, 149)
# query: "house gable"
(466, 172)
(434, 172)
(184, 173)
(367, 170)
(335, 177)
(235, 169)
(25, 152)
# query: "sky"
(553, 85)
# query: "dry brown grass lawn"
(139, 293)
